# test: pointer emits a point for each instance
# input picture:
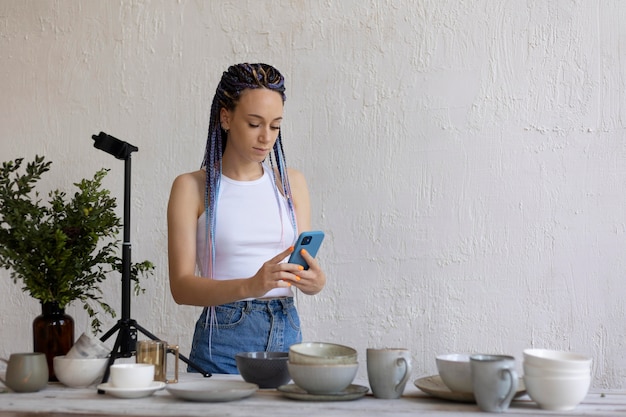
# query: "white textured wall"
(466, 158)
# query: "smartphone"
(311, 241)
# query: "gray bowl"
(266, 369)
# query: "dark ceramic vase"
(53, 333)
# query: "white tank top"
(252, 227)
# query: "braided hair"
(234, 81)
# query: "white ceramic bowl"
(322, 353)
(557, 393)
(454, 370)
(539, 371)
(79, 372)
(131, 375)
(556, 359)
(322, 379)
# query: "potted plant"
(61, 251)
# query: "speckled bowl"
(454, 370)
(322, 353)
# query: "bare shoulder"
(194, 179)
(188, 189)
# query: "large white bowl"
(556, 359)
(557, 393)
(79, 372)
(322, 353)
(540, 371)
(322, 379)
(454, 370)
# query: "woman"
(236, 219)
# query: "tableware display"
(142, 392)
(556, 380)
(131, 375)
(454, 369)
(322, 353)
(433, 385)
(266, 369)
(79, 372)
(494, 381)
(87, 346)
(388, 370)
(351, 392)
(26, 372)
(212, 390)
(155, 352)
(322, 379)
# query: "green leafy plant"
(63, 250)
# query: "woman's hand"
(312, 280)
(274, 274)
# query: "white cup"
(131, 375)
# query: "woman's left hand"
(311, 280)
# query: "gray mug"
(494, 381)
(26, 372)
(388, 371)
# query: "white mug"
(494, 381)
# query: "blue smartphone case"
(311, 241)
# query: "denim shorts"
(243, 326)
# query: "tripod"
(126, 341)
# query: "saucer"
(212, 390)
(434, 386)
(352, 392)
(132, 392)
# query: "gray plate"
(352, 392)
(434, 386)
(212, 390)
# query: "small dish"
(434, 385)
(212, 390)
(132, 392)
(352, 392)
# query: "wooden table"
(58, 400)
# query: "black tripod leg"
(182, 357)
(110, 332)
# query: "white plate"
(212, 390)
(434, 386)
(132, 392)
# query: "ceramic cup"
(131, 375)
(26, 372)
(155, 352)
(88, 347)
(494, 381)
(388, 371)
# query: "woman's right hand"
(274, 274)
